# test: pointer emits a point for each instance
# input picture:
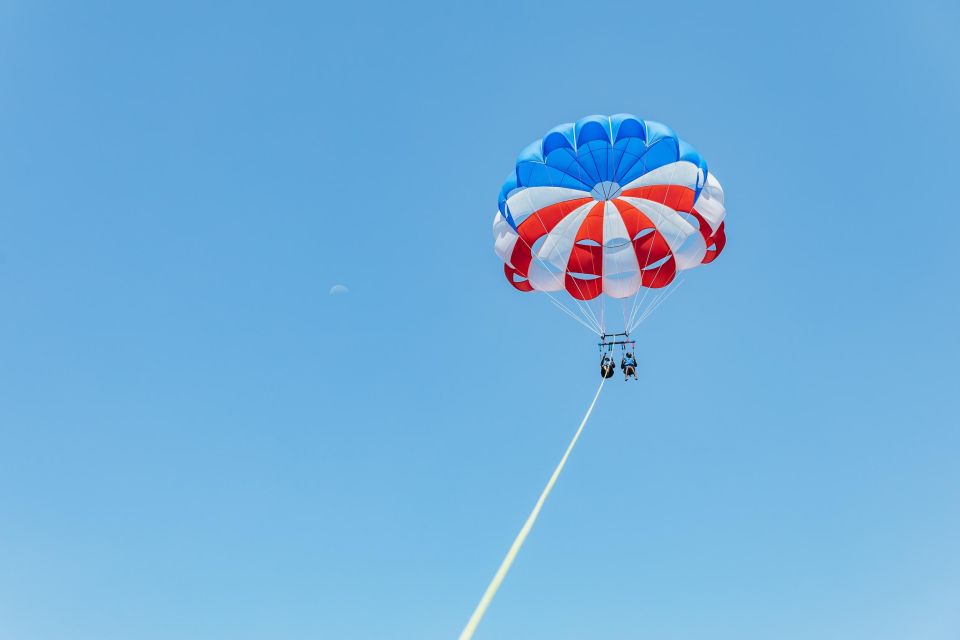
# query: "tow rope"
(494, 585)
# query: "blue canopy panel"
(597, 149)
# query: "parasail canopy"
(607, 207)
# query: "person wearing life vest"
(629, 366)
(607, 366)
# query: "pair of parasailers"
(628, 364)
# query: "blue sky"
(197, 441)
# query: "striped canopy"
(607, 205)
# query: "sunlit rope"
(501, 573)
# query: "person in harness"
(629, 366)
(607, 366)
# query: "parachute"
(606, 208)
(603, 208)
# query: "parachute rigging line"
(501, 573)
(584, 306)
(637, 307)
(653, 307)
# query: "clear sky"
(198, 442)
